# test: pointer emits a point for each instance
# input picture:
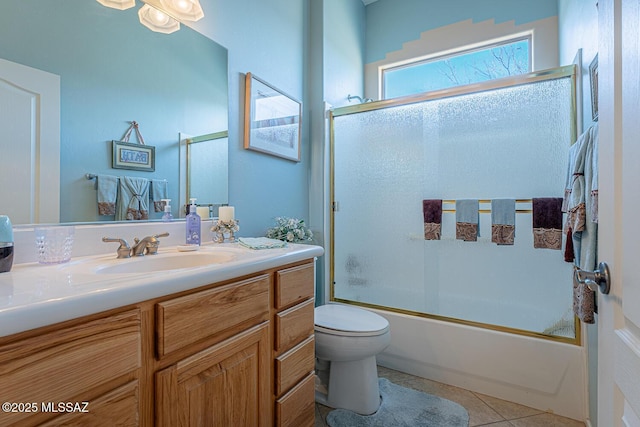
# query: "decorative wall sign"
(133, 156)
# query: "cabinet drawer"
(119, 408)
(294, 285)
(297, 408)
(64, 364)
(294, 365)
(294, 325)
(229, 308)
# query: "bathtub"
(542, 374)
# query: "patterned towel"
(133, 199)
(107, 187)
(584, 301)
(261, 243)
(467, 219)
(157, 191)
(432, 213)
(503, 221)
(547, 223)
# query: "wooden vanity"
(238, 352)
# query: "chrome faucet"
(148, 245)
(124, 251)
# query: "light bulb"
(156, 20)
(158, 17)
(184, 10)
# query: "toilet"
(347, 341)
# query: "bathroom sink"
(164, 262)
(148, 264)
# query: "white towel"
(133, 199)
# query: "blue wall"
(393, 22)
(268, 39)
(114, 70)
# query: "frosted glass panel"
(504, 143)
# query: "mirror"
(208, 169)
(114, 71)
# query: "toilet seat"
(344, 320)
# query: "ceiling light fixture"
(118, 4)
(156, 20)
(162, 16)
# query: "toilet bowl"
(347, 341)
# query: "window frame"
(460, 51)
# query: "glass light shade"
(118, 4)
(184, 10)
(157, 21)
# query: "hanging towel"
(547, 223)
(503, 221)
(584, 301)
(594, 175)
(573, 192)
(467, 219)
(581, 202)
(581, 224)
(158, 191)
(107, 187)
(574, 195)
(432, 213)
(133, 199)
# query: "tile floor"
(483, 410)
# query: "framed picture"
(271, 120)
(593, 77)
(133, 156)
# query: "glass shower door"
(508, 139)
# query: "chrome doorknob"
(597, 279)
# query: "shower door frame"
(568, 71)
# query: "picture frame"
(133, 156)
(593, 78)
(272, 120)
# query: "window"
(471, 66)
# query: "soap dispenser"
(193, 225)
(167, 217)
(6, 244)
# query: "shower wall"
(508, 140)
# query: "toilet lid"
(337, 319)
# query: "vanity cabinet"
(228, 383)
(294, 346)
(92, 365)
(234, 353)
(223, 385)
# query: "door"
(30, 131)
(619, 192)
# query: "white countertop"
(34, 295)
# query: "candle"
(226, 213)
(203, 211)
